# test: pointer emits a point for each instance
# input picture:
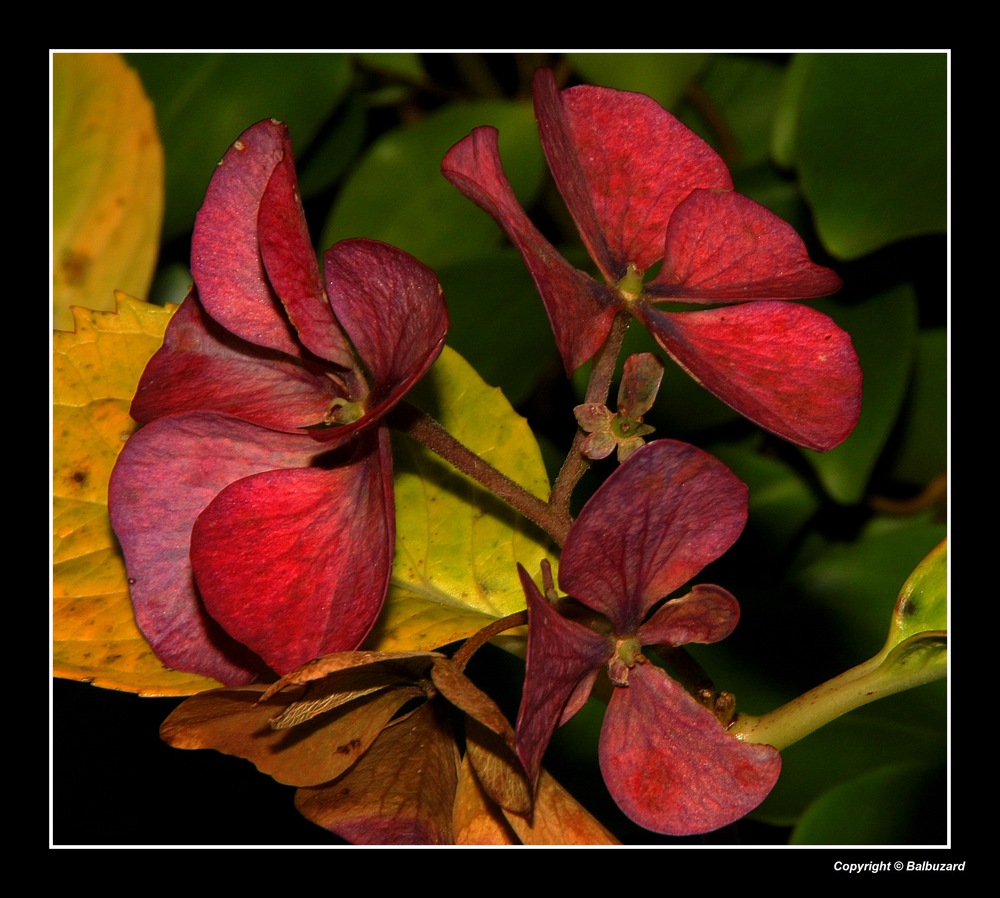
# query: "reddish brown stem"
(426, 431)
(478, 639)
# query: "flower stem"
(598, 387)
(817, 707)
(478, 639)
(425, 430)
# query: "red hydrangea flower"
(255, 507)
(642, 188)
(669, 510)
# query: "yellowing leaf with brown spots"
(94, 375)
(457, 546)
(107, 183)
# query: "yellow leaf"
(107, 180)
(95, 373)
(457, 546)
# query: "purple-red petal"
(786, 367)
(295, 563)
(225, 254)
(622, 164)
(393, 310)
(706, 614)
(167, 474)
(202, 367)
(580, 310)
(562, 663)
(293, 269)
(671, 766)
(723, 247)
(668, 511)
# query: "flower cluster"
(643, 189)
(667, 760)
(255, 507)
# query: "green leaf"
(457, 546)
(742, 95)
(915, 653)
(662, 76)
(204, 101)
(853, 584)
(900, 804)
(494, 294)
(884, 331)
(923, 432)
(871, 144)
(404, 65)
(333, 154)
(398, 194)
(842, 752)
(786, 119)
(781, 502)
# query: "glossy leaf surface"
(871, 143)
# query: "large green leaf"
(842, 752)
(870, 138)
(899, 804)
(457, 546)
(398, 194)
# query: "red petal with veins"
(706, 614)
(225, 256)
(580, 310)
(671, 766)
(392, 308)
(202, 367)
(784, 366)
(669, 510)
(293, 269)
(166, 475)
(721, 246)
(295, 563)
(622, 164)
(563, 660)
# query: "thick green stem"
(598, 387)
(828, 701)
(426, 431)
